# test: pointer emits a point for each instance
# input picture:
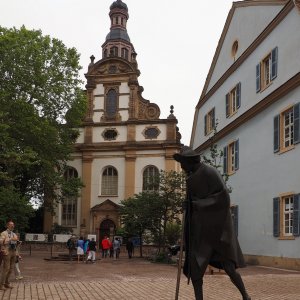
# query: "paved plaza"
(139, 279)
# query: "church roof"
(119, 4)
(118, 33)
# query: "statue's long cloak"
(209, 234)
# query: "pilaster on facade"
(130, 166)
(87, 160)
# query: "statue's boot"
(197, 284)
(236, 279)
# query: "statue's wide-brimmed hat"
(185, 154)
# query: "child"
(18, 259)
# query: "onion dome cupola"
(117, 41)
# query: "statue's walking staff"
(180, 259)
(185, 217)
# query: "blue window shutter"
(297, 123)
(238, 95)
(225, 171)
(236, 155)
(235, 218)
(257, 78)
(205, 125)
(274, 59)
(276, 134)
(227, 106)
(276, 217)
(296, 215)
(213, 118)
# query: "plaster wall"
(246, 24)
(124, 88)
(98, 102)
(80, 138)
(99, 90)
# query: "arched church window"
(109, 182)
(124, 53)
(105, 53)
(111, 103)
(150, 179)
(69, 205)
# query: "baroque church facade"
(123, 142)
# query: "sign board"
(61, 238)
(90, 236)
(36, 237)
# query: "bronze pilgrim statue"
(209, 235)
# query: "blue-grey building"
(252, 92)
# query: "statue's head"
(188, 158)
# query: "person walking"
(17, 262)
(9, 246)
(116, 246)
(105, 245)
(80, 252)
(209, 234)
(71, 245)
(92, 251)
(129, 247)
(86, 249)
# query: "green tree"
(42, 104)
(152, 211)
(173, 233)
(171, 194)
(141, 213)
(15, 207)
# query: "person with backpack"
(71, 245)
(92, 251)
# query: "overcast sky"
(175, 41)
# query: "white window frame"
(287, 203)
(109, 181)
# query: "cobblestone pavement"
(140, 279)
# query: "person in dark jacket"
(209, 235)
(129, 247)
